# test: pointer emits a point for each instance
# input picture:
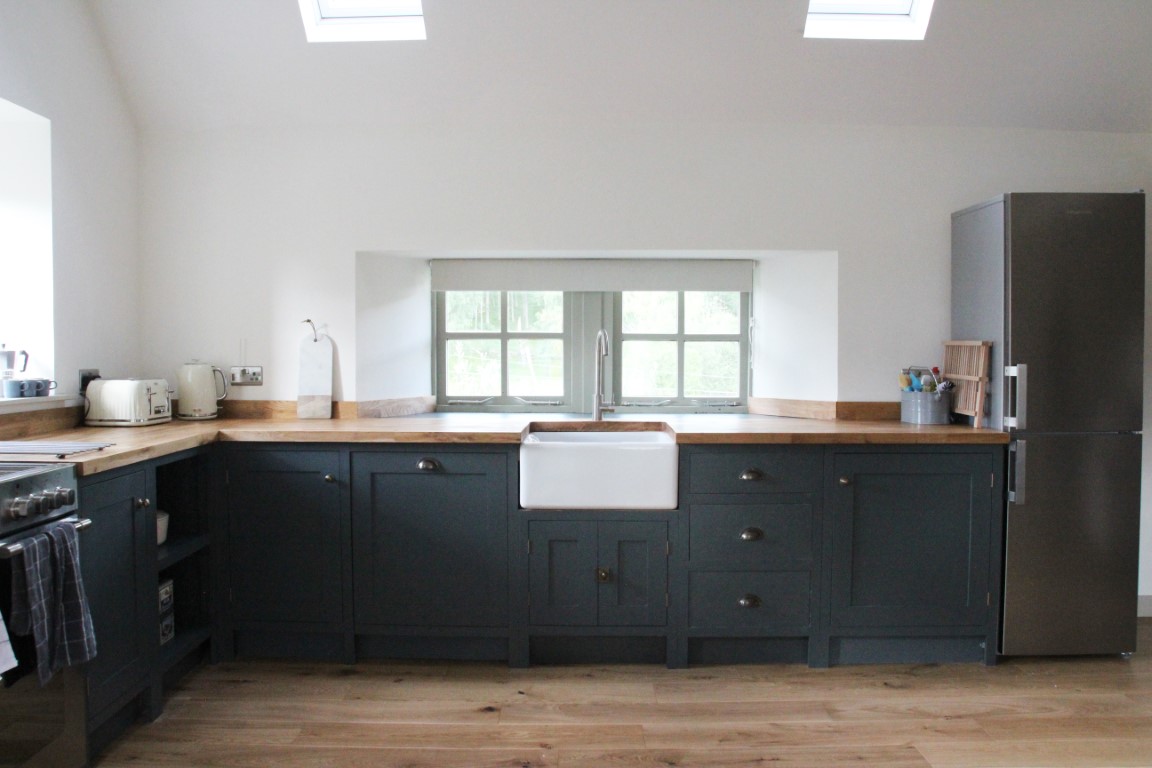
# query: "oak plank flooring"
(1071, 713)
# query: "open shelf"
(185, 641)
(180, 548)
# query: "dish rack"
(966, 365)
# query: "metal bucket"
(925, 407)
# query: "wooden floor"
(1023, 712)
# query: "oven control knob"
(22, 506)
(46, 502)
(65, 496)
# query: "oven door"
(39, 726)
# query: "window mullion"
(503, 343)
(680, 345)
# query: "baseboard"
(1144, 605)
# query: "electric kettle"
(196, 387)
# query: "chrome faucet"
(598, 402)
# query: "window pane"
(712, 369)
(650, 368)
(472, 367)
(472, 311)
(536, 311)
(535, 367)
(712, 312)
(650, 312)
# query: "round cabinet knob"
(749, 601)
(329, 479)
(752, 475)
(845, 480)
(143, 503)
(428, 465)
(751, 534)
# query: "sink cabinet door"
(608, 573)
(910, 539)
(431, 539)
(286, 535)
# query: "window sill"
(27, 404)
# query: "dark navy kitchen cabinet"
(598, 573)
(752, 575)
(117, 560)
(430, 532)
(288, 546)
(912, 541)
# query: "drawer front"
(792, 470)
(764, 536)
(748, 599)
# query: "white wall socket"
(247, 376)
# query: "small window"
(682, 348)
(501, 348)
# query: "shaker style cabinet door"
(430, 536)
(598, 573)
(118, 563)
(910, 539)
(286, 531)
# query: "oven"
(39, 725)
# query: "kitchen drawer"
(783, 470)
(775, 536)
(748, 599)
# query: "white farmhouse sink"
(598, 465)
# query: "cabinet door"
(635, 554)
(910, 539)
(118, 562)
(598, 573)
(431, 539)
(562, 581)
(285, 530)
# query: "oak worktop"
(133, 444)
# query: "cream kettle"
(197, 390)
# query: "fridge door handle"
(1017, 471)
(1017, 418)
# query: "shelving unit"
(182, 491)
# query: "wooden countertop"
(133, 444)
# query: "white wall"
(53, 63)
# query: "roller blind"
(591, 275)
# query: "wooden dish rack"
(966, 365)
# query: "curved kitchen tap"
(599, 404)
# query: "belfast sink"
(598, 465)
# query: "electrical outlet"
(86, 376)
(247, 376)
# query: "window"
(351, 21)
(532, 350)
(682, 347)
(868, 19)
(501, 347)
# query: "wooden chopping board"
(314, 400)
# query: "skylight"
(342, 21)
(868, 19)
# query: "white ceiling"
(1058, 64)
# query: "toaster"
(127, 402)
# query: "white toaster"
(127, 402)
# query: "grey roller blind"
(591, 275)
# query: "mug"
(13, 388)
(38, 387)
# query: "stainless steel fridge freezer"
(1056, 282)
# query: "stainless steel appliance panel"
(1075, 309)
(1072, 546)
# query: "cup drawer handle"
(751, 534)
(752, 475)
(749, 601)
